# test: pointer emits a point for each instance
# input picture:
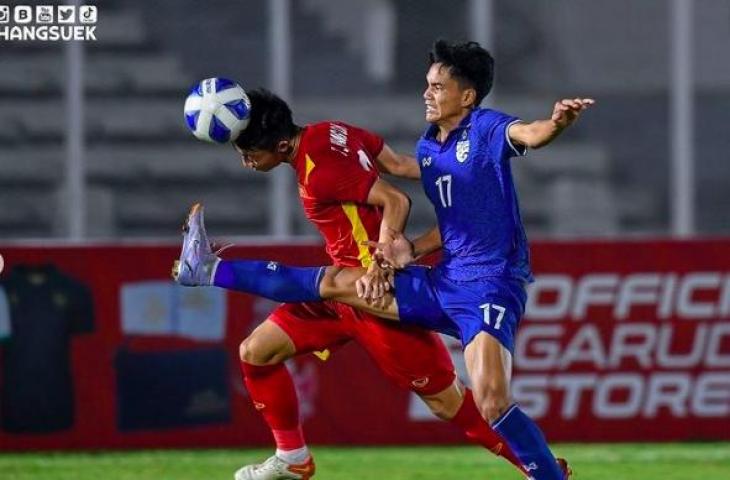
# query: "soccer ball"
(217, 110)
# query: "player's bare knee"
(246, 351)
(254, 352)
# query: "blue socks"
(270, 280)
(528, 443)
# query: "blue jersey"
(469, 182)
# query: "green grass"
(600, 462)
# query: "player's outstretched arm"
(541, 132)
(398, 165)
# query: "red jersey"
(335, 170)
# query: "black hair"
(270, 122)
(468, 63)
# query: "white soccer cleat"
(197, 260)
(275, 468)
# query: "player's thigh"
(419, 302)
(489, 365)
(493, 306)
(487, 314)
(412, 357)
(311, 326)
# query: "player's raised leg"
(198, 265)
(489, 365)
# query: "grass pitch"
(685, 461)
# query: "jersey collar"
(432, 130)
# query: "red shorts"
(416, 359)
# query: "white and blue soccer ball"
(217, 110)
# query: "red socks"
(273, 395)
(478, 430)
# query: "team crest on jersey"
(426, 161)
(462, 147)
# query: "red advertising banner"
(628, 341)
(98, 349)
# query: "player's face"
(444, 97)
(259, 160)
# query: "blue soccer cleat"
(197, 262)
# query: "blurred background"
(626, 336)
(93, 144)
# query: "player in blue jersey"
(477, 292)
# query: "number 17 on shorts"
(493, 314)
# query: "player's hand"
(373, 284)
(383, 303)
(567, 110)
(395, 253)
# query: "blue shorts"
(460, 309)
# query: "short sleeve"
(347, 177)
(372, 143)
(495, 126)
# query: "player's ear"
(283, 147)
(468, 97)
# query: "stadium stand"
(144, 169)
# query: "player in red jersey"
(337, 168)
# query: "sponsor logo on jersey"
(426, 161)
